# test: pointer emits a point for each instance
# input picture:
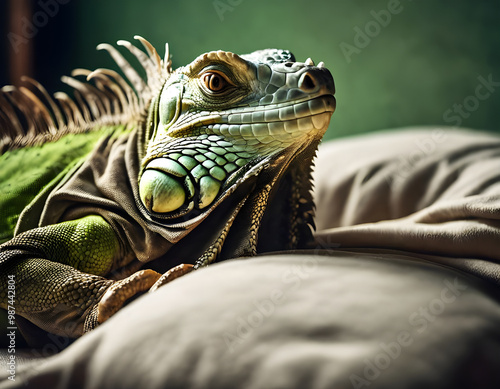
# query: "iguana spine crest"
(30, 116)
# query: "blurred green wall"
(395, 63)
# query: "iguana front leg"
(58, 272)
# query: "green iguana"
(163, 172)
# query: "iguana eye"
(214, 82)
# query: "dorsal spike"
(29, 115)
(136, 80)
(47, 123)
(309, 62)
(153, 54)
(14, 127)
(167, 61)
(53, 106)
(73, 115)
(145, 61)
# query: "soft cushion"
(431, 190)
(340, 320)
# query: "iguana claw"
(172, 274)
(118, 293)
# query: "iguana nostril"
(307, 82)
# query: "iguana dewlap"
(206, 162)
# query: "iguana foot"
(172, 274)
(121, 291)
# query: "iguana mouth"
(190, 173)
(251, 122)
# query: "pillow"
(338, 320)
(394, 173)
(425, 190)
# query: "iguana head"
(225, 121)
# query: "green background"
(413, 69)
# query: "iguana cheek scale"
(206, 162)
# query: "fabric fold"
(443, 199)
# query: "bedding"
(432, 190)
(399, 290)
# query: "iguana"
(142, 177)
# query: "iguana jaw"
(260, 125)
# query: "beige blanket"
(433, 191)
(377, 311)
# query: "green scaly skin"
(225, 146)
(27, 171)
(68, 260)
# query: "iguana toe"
(172, 274)
(121, 291)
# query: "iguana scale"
(134, 177)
